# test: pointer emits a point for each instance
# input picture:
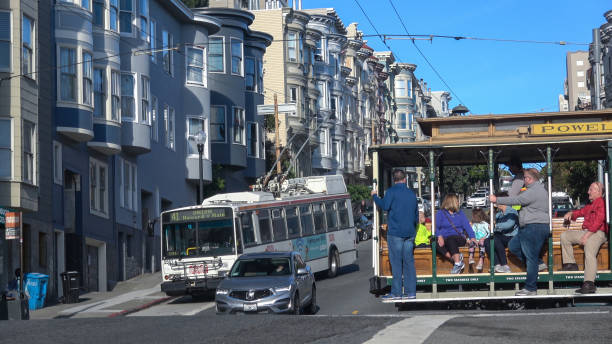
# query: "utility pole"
(278, 164)
(597, 87)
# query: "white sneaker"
(458, 268)
(499, 268)
(506, 269)
(542, 267)
(525, 292)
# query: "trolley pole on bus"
(276, 138)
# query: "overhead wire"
(425, 57)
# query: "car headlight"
(221, 291)
(282, 289)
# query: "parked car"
(478, 200)
(559, 209)
(273, 282)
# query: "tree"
(358, 193)
(195, 3)
(574, 177)
(217, 184)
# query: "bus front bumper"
(190, 286)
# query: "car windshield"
(200, 239)
(254, 267)
(479, 195)
(562, 206)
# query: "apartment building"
(578, 94)
(601, 70)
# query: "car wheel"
(312, 308)
(333, 264)
(297, 307)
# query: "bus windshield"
(208, 238)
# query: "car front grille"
(250, 295)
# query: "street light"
(200, 139)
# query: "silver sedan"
(273, 282)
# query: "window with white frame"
(579, 63)
(238, 126)
(99, 92)
(580, 84)
(27, 40)
(68, 75)
(128, 105)
(334, 104)
(143, 13)
(292, 46)
(196, 72)
(236, 56)
(128, 196)
(145, 97)
(400, 88)
(154, 125)
(29, 144)
(152, 40)
(194, 126)
(249, 76)
(169, 126)
(323, 142)
(98, 13)
(293, 94)
(216, 61)
(115, 95)
(262, 142)
(87, 66)
(6, 150)
(217, 124)
(167, 57)
(126, 7)
(320, 47)
(98, 187)
(580, 73)
(252, 139)
(85, 4)
(114, 15)
(5, 40)
(323, 94)
(401, 120)
(58, 171)
(260, 87)
(411, 121)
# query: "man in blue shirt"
(403, 213)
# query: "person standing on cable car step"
(403, 212)
(534, 227)
(592, 236)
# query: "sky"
(487, 77)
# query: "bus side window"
(319, 218)
(248, 231)
(264, 226)
(344, 214)
(238, 240)
(293, 222)
(278, 225)
(331, 215)
(306, 220)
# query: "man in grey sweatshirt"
(534, 226)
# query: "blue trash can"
(36, 288)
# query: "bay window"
(128, 105)
(68, 77)
(143, 11)
(114, 15)
(5, 148)
(29, 144)
(87, 79)
(195, 66)
(144, 98)
(169, 126)
(154, 128)
(400, 88)
(217, 124)
(167, 57)
(125, 16)
(401, 122)
(215, 54)
(252, 139)
(115, 95)
(238, 126)
(292, 46)
(98, 13)
(152, 40)
(6, 35)
(249, 78)
(194, 125)
(28, 47)
(99, 93)
(236, 56)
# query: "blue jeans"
(401, 257)
(526, 245)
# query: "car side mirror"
(303, 271)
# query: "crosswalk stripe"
(410, 330)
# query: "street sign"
(13, 225)
(3, 212)
(269, 109)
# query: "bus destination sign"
(198, 215)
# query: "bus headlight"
(221, 291)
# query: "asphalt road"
(347, 314)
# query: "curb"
(140, 308)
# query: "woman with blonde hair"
(452, 227)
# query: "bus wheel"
(333, 264)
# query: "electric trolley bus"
(542, 139)
(310, 215)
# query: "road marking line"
(411, 330)
(535, 314)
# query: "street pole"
(201, 184)
(278, 164)
(597, 87)
(21, 255)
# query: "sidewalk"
(127, 297)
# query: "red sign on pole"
(13, 225)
